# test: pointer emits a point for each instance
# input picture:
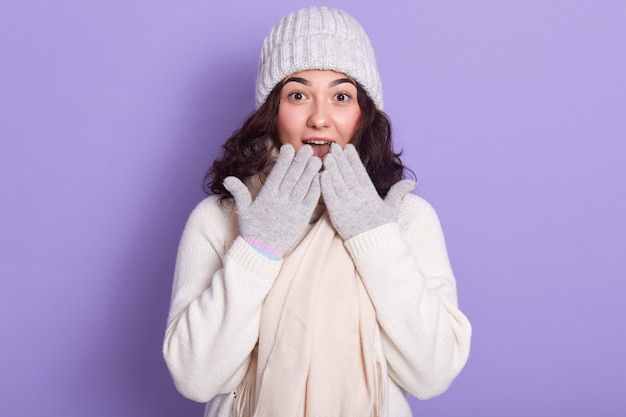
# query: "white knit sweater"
(218, 294)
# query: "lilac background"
(512, 114)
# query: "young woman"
(311, 282)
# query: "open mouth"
(320, 146)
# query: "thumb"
(398, 191)
(240, 192)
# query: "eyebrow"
(341, 81)
(297, 80)
(306, 82)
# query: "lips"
(321, 146)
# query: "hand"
(278, 216)
(352, 201)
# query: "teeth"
(317, 142)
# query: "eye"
(342, 97)
(296, 96)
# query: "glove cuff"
(264, 249)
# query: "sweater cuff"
(249, 258)
(378, 240)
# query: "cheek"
(349, 122)
(287, 123)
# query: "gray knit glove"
(278, 216)
(353, 204)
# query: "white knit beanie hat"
(318, 38)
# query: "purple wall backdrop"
(512, 114)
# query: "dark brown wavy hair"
(249, 151)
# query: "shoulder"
(418, 215)
(414, 207)
(211, 219)
(212, 209)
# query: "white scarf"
(316, 354)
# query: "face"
(318, 108)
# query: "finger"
(333, 174)
(296, 169)
(327, 188)
(313, 195)
(398, 191)
(354, 160)
(240, 192)
(343, 165)
(301, 188)
(283, 161)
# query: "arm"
(406, 271)
(217, 300)
(215, 310)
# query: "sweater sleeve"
(217, 296)
(406, 271)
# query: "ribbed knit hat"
(318, 38)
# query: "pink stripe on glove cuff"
(263, 249)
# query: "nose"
(319, 117)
